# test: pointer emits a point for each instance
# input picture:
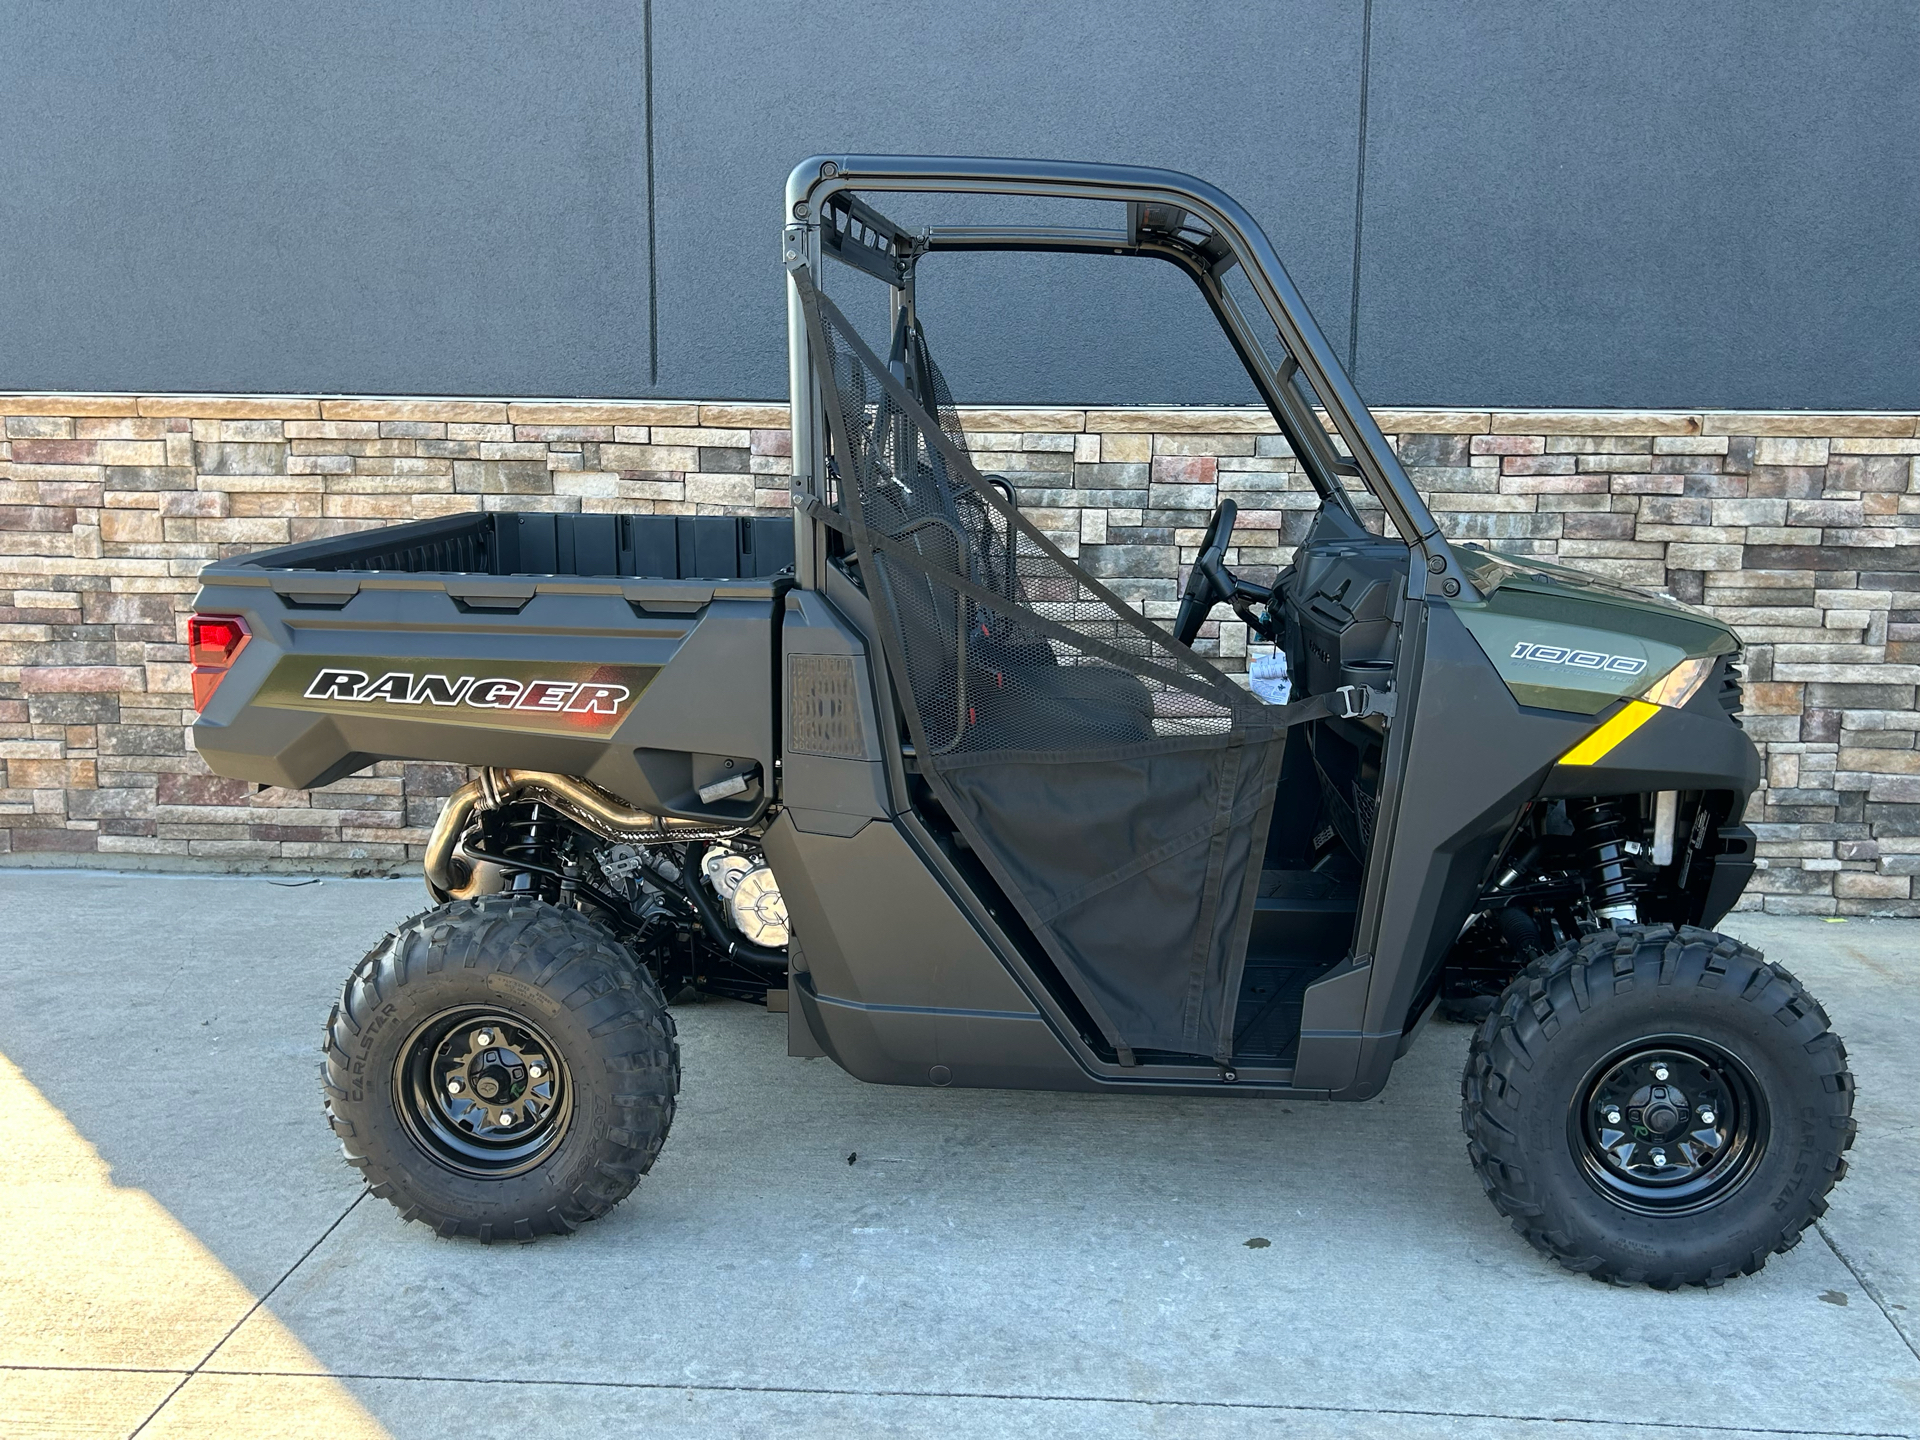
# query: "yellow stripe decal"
(1595, 748)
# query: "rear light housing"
(213, 643)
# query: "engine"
(698, 905)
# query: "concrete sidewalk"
(188, 1256)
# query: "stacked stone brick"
(1801, 530)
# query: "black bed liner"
(666, 547)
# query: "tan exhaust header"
(586, 804)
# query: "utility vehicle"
(904, 770)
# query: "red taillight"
(212, 643)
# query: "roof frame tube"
(822, 181)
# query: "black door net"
(1118, 788)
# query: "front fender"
(1672, 750)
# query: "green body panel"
(1566, 641)
(544, 696)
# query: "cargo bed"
(522, 640)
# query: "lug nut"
(536, 1070)
(1659, 1071)
(1706, 1116)
(485, 1037)
(1659, 1158)
(454, 1087)
(506, 1118)
(1613, 1115)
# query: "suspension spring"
(532, 840)
(1612, 880)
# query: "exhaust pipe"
(587, 805)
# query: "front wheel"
(1658, 1105)
(501, 1068)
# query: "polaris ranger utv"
(903, 769)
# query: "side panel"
(832, 775)
(663, 702)
(708, 714)
(898, 981)
(1473, 756)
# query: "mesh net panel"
(1118, 787)
(1046, 659)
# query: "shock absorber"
(1612, 881)
(532, 841)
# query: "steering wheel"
(1207, 583)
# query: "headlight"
(1680, 684)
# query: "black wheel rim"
(482, 1091)
(1668, 1125)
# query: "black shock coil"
(1612, 881)
(532, 841)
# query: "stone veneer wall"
(1802, 530)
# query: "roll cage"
(1169, 216)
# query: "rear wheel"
(1658, 1105)
(501, 1068)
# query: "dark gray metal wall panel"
(1262, 99)
(1567, 204)
(1642, 204)
(416, 197)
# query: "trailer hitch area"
(1355, 702)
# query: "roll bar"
(1170, 216)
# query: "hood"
(1566, 640)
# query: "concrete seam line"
(1873, 1291)
(251, 1311)
(1690, 1427)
